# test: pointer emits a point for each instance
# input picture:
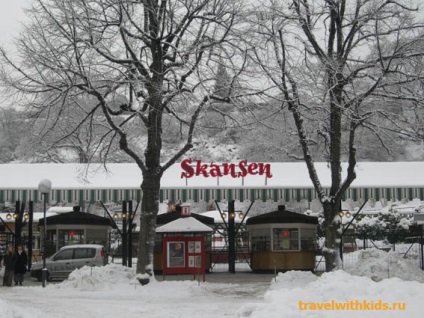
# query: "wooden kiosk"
(282, 240)
(184, 247)
(75, 228)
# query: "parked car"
(69, 258)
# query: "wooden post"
(30, 222)
(231, 238)
(130, 224)
(124, 234)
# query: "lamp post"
(347, 215)
(44, 187)
(231, 238)
(30, 217)
(130, 229)
(124, 235)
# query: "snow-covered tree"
(68, 135)
(161, 55)
(329, 61)
(13, 126)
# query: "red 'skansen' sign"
(214, 170)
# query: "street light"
(342, 214)
(124, 233)
(44, 187)
(231, 232)
(347, 215)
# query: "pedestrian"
(9, 266)
(21, 261)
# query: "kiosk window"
(261, 240)
(176, 254)
(285, 239)
(307, 239)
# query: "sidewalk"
(224, 277)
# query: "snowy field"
(111, 291)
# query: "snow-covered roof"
(188, 224)
(217, 216)
(60, 209)
(128, 176)
(70, 176)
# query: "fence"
(352, 247)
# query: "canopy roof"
(184, 225)
(78, 183)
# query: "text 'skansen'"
(235, 170)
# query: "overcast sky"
(10, 15)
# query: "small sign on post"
(185, 209)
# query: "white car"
(69, 258)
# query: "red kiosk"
(184, 246)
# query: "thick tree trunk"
(331, 249)
(149, 210)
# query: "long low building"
(197, 182)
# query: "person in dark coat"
(9, 266)
(21, 262)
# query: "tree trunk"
(149, 210)
(331, 249)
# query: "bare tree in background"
(161, 55)
(70, 136)
(329, 61)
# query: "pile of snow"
(282, 299)
(378, 264)
(115, 276)
(97, 278)
(113, 290)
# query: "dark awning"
(282, 216)
(172, 216)
(77, 218)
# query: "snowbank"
(113, 290)
(378, 265)
(97, 278)
(114, 276)
(384, 276)
(282, 300)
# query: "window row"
(283, 239)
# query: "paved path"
(223, 295)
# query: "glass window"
(307, 239)
(64, 255)
(70, 237)
(285, 239)
(96, 237)
(85, 253)
(176, 254)
(261, 240)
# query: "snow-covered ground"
(112, 291)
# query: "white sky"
(10, 16)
